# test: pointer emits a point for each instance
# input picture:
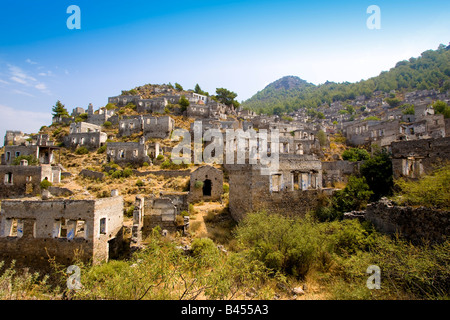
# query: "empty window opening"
(15, 227)
(121, 154)
(80, 229)
(102, 226)
(17, 154)
(8, 156)
(276, 182)
(9, 178)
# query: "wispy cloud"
(23, 93)
(22, 77)
(30, 61)
(4, 82)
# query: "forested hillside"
(429, 71)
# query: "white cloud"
(4, 82)
(23, 93)
(30, 62)
(20, 76)
(41, 86)
(26, 121)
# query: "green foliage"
(107, 124)
(59, 110)
(198, 184)
(160, 157)
(184, 103)
(102, 149)
(140, 183)
(226, 96)
(287, 118)
(110, 106)
(377, 171)
(226, 188)
(372, 118)
(166, 164)
(393, 102)
(441, 107)
(131, 92)
(323, 139)
(127, 173)
(432, 190)
(198, 90)
(355, 154)
(408, 109)
(354, 196)
(205, 250)
(178, 87)
(81, 151)
(32, 160)
(45, 184)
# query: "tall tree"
(59, 110)
(226, 96)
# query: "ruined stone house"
(32, 231)
(413, 159)
(24, 180)
(151, 212)
(293, 189)
(128, 152)
(83, 134)
(15, 138)
(206, 184)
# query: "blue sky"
(239, 45)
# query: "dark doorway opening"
(207, 186)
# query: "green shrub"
(107, 124)
(117, 174)
(81, 151)
(160, 157)
(198, 184)
(166, 164)
(45, 184)
(140, 183)
(102, 149)
(145, 164)
(226, 188)
(355, 154)
(32, 160)
(127, 173)
(431, 191)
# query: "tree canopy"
(59, 110)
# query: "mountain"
(429, 71)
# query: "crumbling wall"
(414, 224)
(338, 171)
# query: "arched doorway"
(207, 186)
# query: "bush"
(82, 150)
(107, 124)
(226, 188)
(102, 149)
(166, 164)
(140, 183)
(355, 154)
(160, 157)
(32, 160)
(431, 191)
(127, 173)
(45, 184)
(117, 174)
(145, 164)
(204, 250)
(198, 184)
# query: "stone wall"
(338, 171)
(90, 140)
(414, 224)
(92, 174)
(128, 152)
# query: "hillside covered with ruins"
(357, 165)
